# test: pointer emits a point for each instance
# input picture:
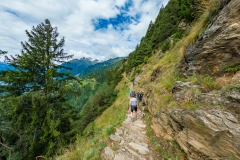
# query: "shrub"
(233, 68)
(165, 45)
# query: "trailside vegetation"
(102, 98)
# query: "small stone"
(115, 137)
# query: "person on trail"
(140, 96)
(133, 104)
(137, 95)
(131, 92)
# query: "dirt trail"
(130, 142)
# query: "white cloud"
(75, 21)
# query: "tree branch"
(6, 146)
(15, 132)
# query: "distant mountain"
(100, 66)
(4, 66)
(84, 66)
(78, 65)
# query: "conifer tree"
(2, 52)
(37, 67)
(36, 118)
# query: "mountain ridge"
(4, 66)
(83, 66)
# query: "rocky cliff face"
(212, 130)
(210, 133)
(202, 134)
(219, 46)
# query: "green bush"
(109, 130)
(178, 35)
(132, 79)
(165, 45)
(145, 59)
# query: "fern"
(233, 68)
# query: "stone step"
(115, 138)
(140, 148)
(122, 156)
(134, 154)
(108, 153)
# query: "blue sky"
(99, 29)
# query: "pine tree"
(37, 68)
(35, 113)
(2, 52)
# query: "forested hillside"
(44, 108)
(170, 25)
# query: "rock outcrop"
(218, 47)
(202, 134)
(212, 129)
(208, 132)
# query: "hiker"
(133, 104)
(131, 92)
(139, 96)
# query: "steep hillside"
(191, 87)
(193, 91)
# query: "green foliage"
(101, 146)
(233, 68)
(145, 59)
(215, 7)
(132, 79)
(115, 148)
(165, 26)
(207, 81)
(103, 97)
(109, 130)
(193, 106)
(165, 45)
(2, 52)
(188, 10)
(178, 35)
(167, 22)
(138, 71)
(89, 155)
(38, 125)
(232, 158)
(96, 105)
(37, 66)
(36, 116)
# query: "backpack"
(140, 96)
